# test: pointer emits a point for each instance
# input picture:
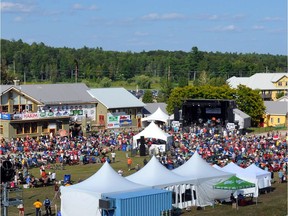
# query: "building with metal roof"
(42, 109)
(275, 114)
(270, 84)
(116, 108)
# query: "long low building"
(43, 109)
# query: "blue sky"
(242, 26)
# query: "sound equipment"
(7, 171)
(142, 146)
(176, 114)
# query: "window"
(59, 125)
(45, 127)
(33, 127)
(19, 129)
(26, 128)
(278, 120)
(279, 83)
(271, 120)
(1, 129)
(4, 108)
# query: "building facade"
(116, 108)
(45, 109)
(271, 85)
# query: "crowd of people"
(215, 145)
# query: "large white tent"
(245, 175)
(263, 176)
(153, 131)
(158, 115)
(206, 176)
(154, 174)
(83, 198)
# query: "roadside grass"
(272, 203)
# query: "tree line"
(41, 63)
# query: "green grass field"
(273, 203)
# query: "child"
(21, 209)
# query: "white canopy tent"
(153, 131)
(245, 175)
(154, 174)
(158, 115)
(206, 176)
(83, 198)
(263, 176)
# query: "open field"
(273, 203)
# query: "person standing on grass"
(113, 155)
(129, 163)
(21, 209)
(37, 204)
(47, 204)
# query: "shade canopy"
(153, 131)
(156, 175)
(158, 115)
(234, 183)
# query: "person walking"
(37, 204)
(47, 204)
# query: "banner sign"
(5, 116)
(88, 110)
(118, 121)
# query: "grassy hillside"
(273, 203)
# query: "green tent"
(234, 183)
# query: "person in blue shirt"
(47, 204)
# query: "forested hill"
(40, 63)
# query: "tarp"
(158, 115)
(153, 131)
(234, 183)
(207, 176)
(83, 198)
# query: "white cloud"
(229, 28)
(168, 16)
(78, 6)
(141, 33)
(217, 17)
(18, 19)
(15, 7)
(256, 27)
(272, 19)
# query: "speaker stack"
(142, 146)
